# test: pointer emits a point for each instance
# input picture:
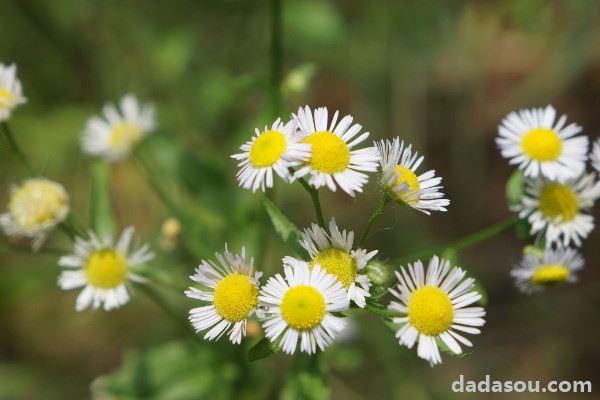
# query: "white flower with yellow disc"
(104, 270)
(400, 180)
(333, 252)
(554, 267)
(434, 306)
(35, 207)
(558, 211)
(11, 92)
(299, 308)
(333, 161)
(231, 290)
(541, 146)
(272, 150)
(114, 135)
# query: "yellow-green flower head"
(104, 269)
(432, 305)
(541, 146)
(230, 291)
(274, 150)
(559, 211)
(299, 308)
(334, 161)
(400, 180)
(555, 267)
(11, 92)
(113, 135)
(35, 207)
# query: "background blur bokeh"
(440, 74)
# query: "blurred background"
(439, 74)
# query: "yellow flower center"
(337, 262)
(6, 97)
(106, 269)
(542, 144)
(330, 154)
(558, 200)
(267, 148)
(550, 274)
(430, 310)
(303, 307)
(235, 297)
(406, 175)
(37, 202)
(124, 135)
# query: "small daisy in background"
(541, 146)
(433, 305)
(299, 308)
(400, 181)
(558, 211)
(333, 252)
(35, 207)
(104, 270)
(11, 92)
(333, 161)
(231, 290)
(272, 150)
(595, 155)
(115, 134)
(553, 267)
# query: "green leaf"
(310, 385)
(263, 349)
(445, 349)
(101, 217)
(288, 232)
(514, 188)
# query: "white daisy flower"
(104, 270)
(554, 267)
(11, 92)
(333, 252)
(114, 135)
(595, 156)
(400, 180)
(433, 306)
(532, 140)
(333, 162)
(299, 308)
(35, 208)
(558, 210)
(231, 289)
(272, 150)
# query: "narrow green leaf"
(514, 188)
(288, 232)
(263, 349)
(101, 217)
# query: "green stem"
(380, 311)
(314, 195)
(385, 200)
(16, 149)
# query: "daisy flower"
(333, 252)
(11, 93)
(333, 162)
(433, 306)
(231, 290)
(400, 181)
(299, 308)
(272, 150)
(104, 270)
(114, 135)
(595, 156)
(554, 267)
(558, 210)
(540, 146)
(35, 207)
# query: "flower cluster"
(558, 192)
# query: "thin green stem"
(16, 149)
(379, 310)
(314, 195)
(385, 200)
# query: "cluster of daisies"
(304, 306)
(559, 191)
(101, 266)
